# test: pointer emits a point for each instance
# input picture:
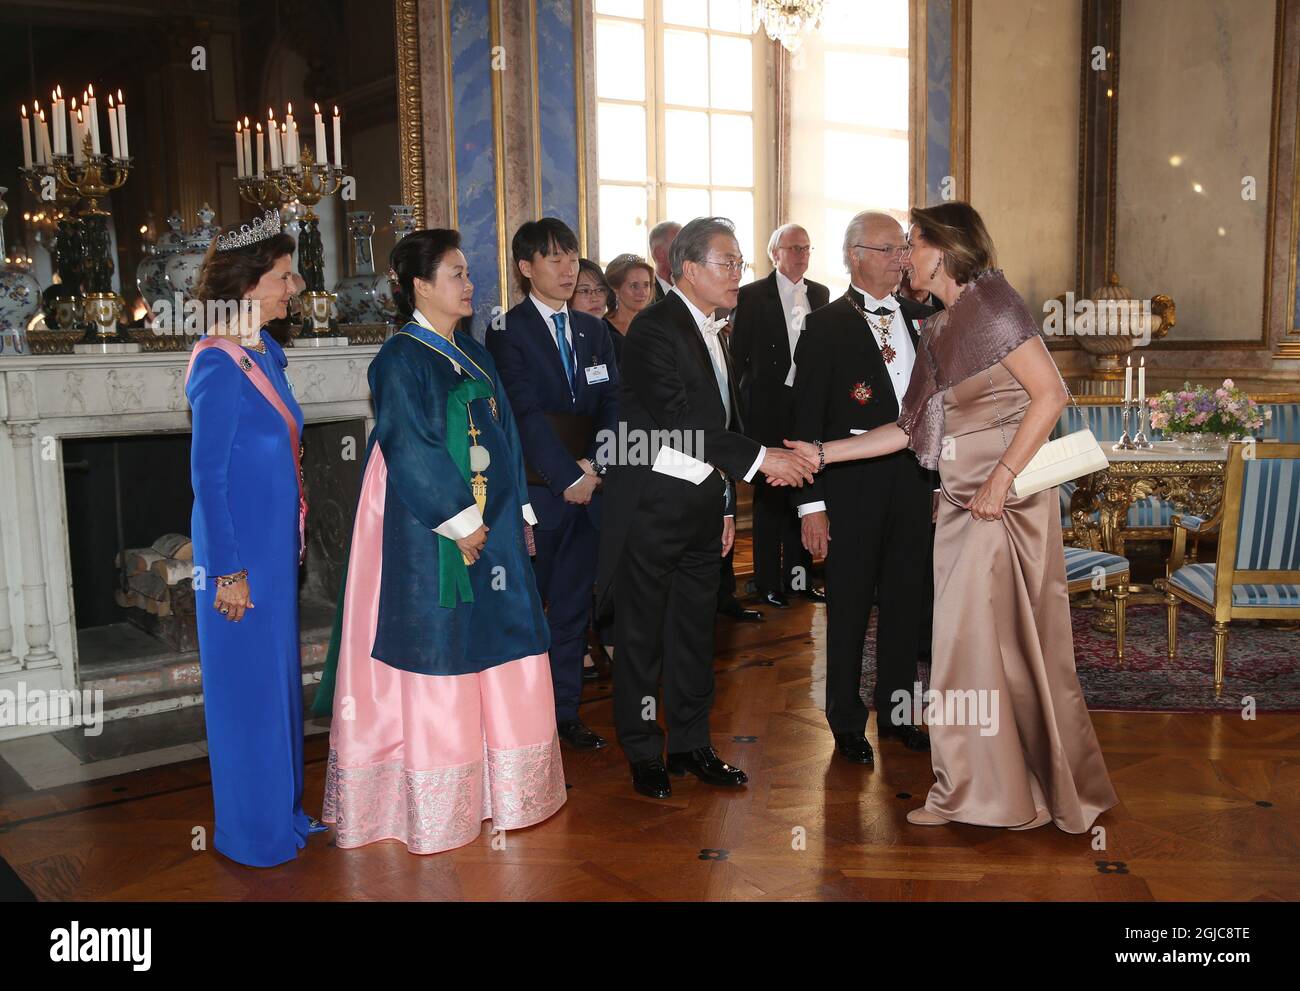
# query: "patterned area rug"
(1263, 663)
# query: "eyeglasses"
(589, 291)
(731, 266)
(889, 251)
(797, 249)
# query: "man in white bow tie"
(668, 524)
(853, 363)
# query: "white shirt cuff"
(461, 525)
(529, 516)
(575, 481)
(753, 469)
(811, 507)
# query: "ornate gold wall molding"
(410, 123)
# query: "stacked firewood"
(159, 578)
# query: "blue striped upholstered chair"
(1149, 518)
(1256, 573)
(1284, 424)
(1097, 571)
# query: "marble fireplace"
(47, 400)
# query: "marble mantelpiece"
(46, 399)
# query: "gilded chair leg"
(1171, 611)
(1220, 654)
(1120, 593)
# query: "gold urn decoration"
(1113, 323)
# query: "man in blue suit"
(562, 381)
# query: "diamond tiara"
(264, 227)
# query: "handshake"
(792, 467)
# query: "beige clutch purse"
(1057, 461)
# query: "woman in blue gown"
(246, 534)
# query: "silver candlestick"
(1140, 442)
(1125, 442)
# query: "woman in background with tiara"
(247, 533)
(438, 676)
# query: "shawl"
(985, 323)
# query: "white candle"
(261, 165)
(78, 156)
(93, 118)
(43, 140)
(273, 138)
(248, 148)
(1142, 381)
(60, 122)
(284, 145)
(322, 154)
(1128, 381)
(289, 131)
(27, 139)
(338, 141)
(112, 127)
(121, 125)
(239, 150)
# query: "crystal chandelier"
(786, 20)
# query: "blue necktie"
(566, 353)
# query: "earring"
(935, 271)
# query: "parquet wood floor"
(1210, 809)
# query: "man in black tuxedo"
(768, 321)
(661, 243)
(669, 512)
(870, 518)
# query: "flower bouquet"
(1200, 419)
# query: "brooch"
(492, 405)
(245, 363)
(861, 393)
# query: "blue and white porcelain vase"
(183, 268)
(20, 296)
(357, 301)
(403, 223)
(151, 273)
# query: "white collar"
(784, 285)
(664, 284)
(698, 315)
(423, 321)
(548, 312)
(870, 302)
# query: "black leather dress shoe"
(315, 826)
(912, 737)
(650, 777)
(706, 765)
(738, 612)
(575, 733)
(854, 747)
(590, 673)
(814, 594)
(776, 600)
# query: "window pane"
(686, 146)
(620, 60)
(686, 204)
(621, 8)
(731, 73)
(866, 169)
(731, 15)
(849, 76)
(622, 221)
(882, 23)
(686, 68)
(733, 150)
(692, 12)
(621, 143)
(739, 209)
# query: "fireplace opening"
(129, 502)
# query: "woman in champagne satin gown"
(983, 398)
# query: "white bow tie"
(889, 302)
(712, 326)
